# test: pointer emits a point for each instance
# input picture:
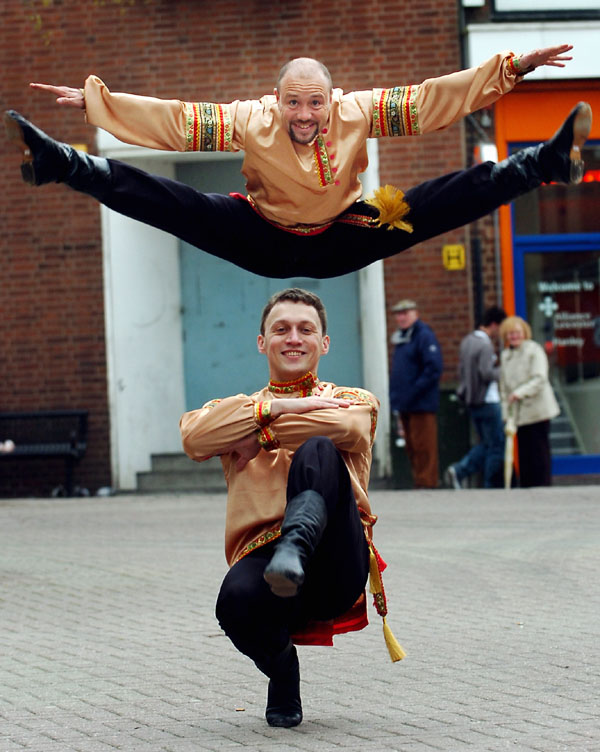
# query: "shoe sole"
(279, 720)
(280, 585)
(582, 126)
(15, 136)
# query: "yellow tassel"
(393, 646)
(376, 587)
(392, 208)
(374, 575)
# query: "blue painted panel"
(222, 306)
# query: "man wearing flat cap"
(414, 390)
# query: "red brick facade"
(52, 324)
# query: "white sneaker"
(451, 478)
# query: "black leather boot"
(48, 161)
(556, 160)
(301, 530)
(284, 706)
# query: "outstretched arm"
(64, 94)
(167, 124)
(438, 102)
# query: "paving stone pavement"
(108, 639)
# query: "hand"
(244, 450)
(513, 398)
(553, 56)
(65, 94)
(306, 405)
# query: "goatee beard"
(313, 135)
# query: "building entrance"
(557, 289)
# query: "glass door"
(556, 232)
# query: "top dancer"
(304, 149)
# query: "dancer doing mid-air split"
(305, 147)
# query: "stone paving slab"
(108, 639)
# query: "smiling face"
(293, 340)
(304, 100)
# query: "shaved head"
(304, 98)
(305, 68)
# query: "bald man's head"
(306, 68)
(304, 97)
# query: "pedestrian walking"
(478, 376)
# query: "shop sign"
(454, 257)
(572, 319)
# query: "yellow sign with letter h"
(454, 257)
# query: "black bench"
(46, 433)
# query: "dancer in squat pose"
(305, 147)
(298, 530)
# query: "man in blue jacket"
(415, 391)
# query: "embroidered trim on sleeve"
(361, 396)
(212, 403)
(515, 67)
(262, 413)
(356, 394)
(267, 439)
(395, 112)
(208, 127)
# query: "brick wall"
(52, 324)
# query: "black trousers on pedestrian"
(535, 464)
(259, 623)
(230, 228)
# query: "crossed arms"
(231, 426)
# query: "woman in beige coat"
(526, 393)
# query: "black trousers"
(535, 464)
(229, 228)
(259, 623)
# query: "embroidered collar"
(305, 385)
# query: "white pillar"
(144, 348)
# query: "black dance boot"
(48, 161)
(301, 530)
(284, 706)
(556, 160)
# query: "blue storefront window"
(556, 232)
